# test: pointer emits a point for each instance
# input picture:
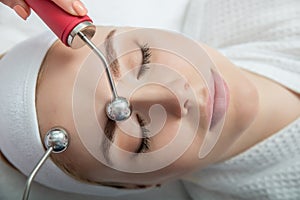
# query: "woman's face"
(189, 105)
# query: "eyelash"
(145, 143)
(146, 55)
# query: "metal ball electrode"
(119, 109)
(58, 139)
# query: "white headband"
(20, 139)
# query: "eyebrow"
(110, 125)
(111, 55)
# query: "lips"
(220, 99)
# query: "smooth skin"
(250, 112)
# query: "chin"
(246, 106)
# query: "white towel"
(262, 36)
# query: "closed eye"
(146, 55)
(145, 140)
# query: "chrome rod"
(34, 172)
(102, 57)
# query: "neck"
(275, 101)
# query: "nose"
(172, 96)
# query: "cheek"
(170, 135)
(186, 164)
(180, 65)
(162, 138)
(189, 160)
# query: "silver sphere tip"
(58, 139)
(119, 109)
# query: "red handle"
(59, 21)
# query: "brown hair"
(1, 56)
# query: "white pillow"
(165, 14)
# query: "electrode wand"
(119, 108)
(75, 32)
